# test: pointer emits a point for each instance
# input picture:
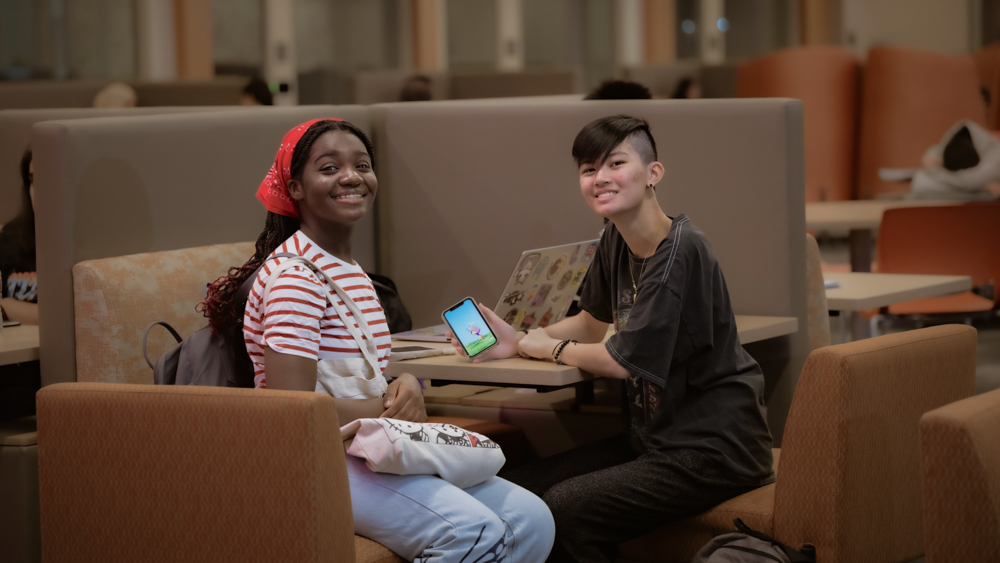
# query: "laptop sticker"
(557, 267)
(524, 270)
(513, 298)
(575, 255)
(528, 321)
(546, 319)
(540, 267)
(565, 280)
(510, 316)
(518, 318)
(543, 292)
(579, 276)
(589, 255)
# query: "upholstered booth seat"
(849, 478)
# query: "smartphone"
(469, 326)
(11, 323)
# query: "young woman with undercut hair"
(695, 431)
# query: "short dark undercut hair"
(598, 138)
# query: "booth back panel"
(826, 80)
(511, 84)
(662, 79)
(385, 86)
(37, 94)
(115, 186)
(909, 99)
(222, 91)
(15, 136)
(80, 93)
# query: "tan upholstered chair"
(148, 473)
(960, 462)
(818, 313)
(115, 299)
(849, 474)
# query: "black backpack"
(221, 360)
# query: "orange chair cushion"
(965, 302)
(367, 551)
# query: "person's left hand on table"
(537, 344)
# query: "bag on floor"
(400, 447)
(750, 546)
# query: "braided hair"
(222, 306)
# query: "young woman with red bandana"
(322, 182)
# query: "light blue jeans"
(425, 519)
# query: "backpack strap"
(366, 343)
(145, 336)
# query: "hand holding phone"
(506, 337)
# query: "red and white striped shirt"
(297, 318)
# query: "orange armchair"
(849, 474)
(949, 240)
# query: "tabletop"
(18, 344)
(861, 291)
(520, 371)
(860, 214)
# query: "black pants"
(604, 493)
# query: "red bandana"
(273, 191)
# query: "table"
(18, 344)
(860, 291)
(859, 218)
(520, 371)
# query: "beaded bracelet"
(559, 350)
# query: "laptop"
(538, 292)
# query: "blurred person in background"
(416, 89)
(257, 93)
(619, 90)
(17, 255)
(687, 89)
(116, 95)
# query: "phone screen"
(469, 326)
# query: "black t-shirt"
(17, 267)
(691, 385)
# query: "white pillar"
(279, 50)
(156, 35)
(713, 39)
(629, 32)
(510, 35)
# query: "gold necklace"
(635, 288)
